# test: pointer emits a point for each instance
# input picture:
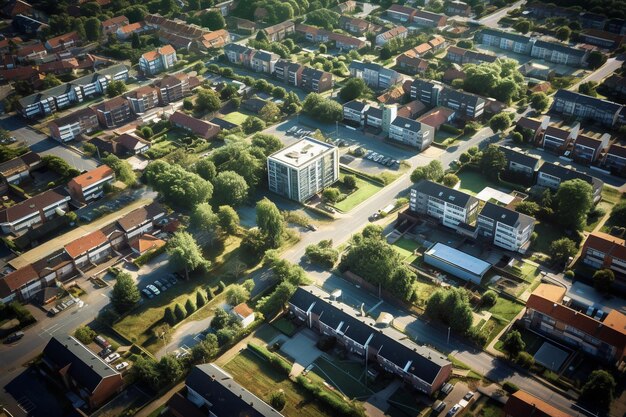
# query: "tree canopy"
(500, 79)
(452, 307)
(599, 389)
(125, 293)
(123, 171)
(353, 89)
(270, 222)
(573, 202)
(230, 188)
(493, 161)
(322, 109)
(185, 252)
(433, 172)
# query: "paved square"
(301, 348)
(551, 356)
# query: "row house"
(519, 163)
(127, 31)
(63, 66)
(411, 133)
(559, 53)
(110, 26)
(114, 112)
(462, 56)
(458, 8)
(602, 39)
(428, 19)
(49, 101)
(279, 31)
(161, 59)
(90, 249)
(31, 52)
(507, 41)
(558, 139)
(401, 13)
(615, 158)
(569, 103)
(29, 25)
(201, 128)
(542, 10)
(354, 111)
(122, 145)
(587, 150)
(15, 170)
(604, 251)
(90, 185)
(532, 129)
(143, 99)
(307, 78)
(62, 42)
(411, 64)
(506, 228)
(34, 211)
(357, 26)
(67, 128)
(552, 175)
(374, 75)
(398, 32)
(548, 313)
(141, 221)
(433, 93)
(342, 42)
(448, 205)
(419, 366)
(616, 25)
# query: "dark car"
(14, 337)
(160, 285)
(105, 352)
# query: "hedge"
(276, 361)
(151, 254)
(510, 387)
(333, 403)
(450, 129)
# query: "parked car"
(154, 289)
(160, 285)
(146, 293)
(102, 342)
(439, 406)
(105, 352)
(447, 387)
(468, 396)
(112, 357)
(311, 227)
(454, 410)
(121, 366)
(14, 337)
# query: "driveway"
(301, 348)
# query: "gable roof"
(522, 404)
(607, 244)
(597, 103)
(140, 215)
(506, 216)
(14, 280)
(437, 116)
(114, 21)
(33, 205)
(197, 126)
(146, 242)
(528, 123)
(447, 194)
(520, 158)
(91, 177)
(86, 243)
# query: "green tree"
(206, 350)
(539, 102)
(125, 293)
(170, 369)
(349, 181)
(270, 112)
(618, 213)
(205, 168)
(190, 306)
(203, 219)
(93, 29)
(237, 294)
(588, 88)
(177, 185)
(146, 371)
(230, 188)
(123, 171)
(599, 390)
(207, 101)
(169, 317)
(331, 194)
(452, 307)
(322, 109)
(179, 312)
(596, 59)
(272, 304)
(493, 161)
(228, 219)
(115, 88)
(450, 180)
(267, 143)
(573, 201)
(562, 249)
(49, 81)
(500, 122)
(278, 400)
(530, 208)
(85, 334)
(200, 299)
(322, 253)
(513, 343)
(522, 26)
(213, 20)
(353, 89)
(185, 252)
(135, 42)
(270, 222)
(279, 92)
(489, 298)
(603, 280)
(147, 132)
(433, 172)
(252, 124)
(563, 33)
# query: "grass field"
(533, 341)
(473, 182)
(365, 189)
(546, 234)
(506, 309)
(235, 117)
(259, 377)
(285, 326)
(406, 402)
(603, 207)
(346, 377)
(405, 247)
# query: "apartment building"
(126, 32)
(288, 72)
(507, 41)
(615, 158)
(552, 175)
(411, 133)
(279, 31)
(428, 19)
(458, 8)
(602, 250)
(158, 60)
(263, 61)
(175, 87)
(520, 163)
(465, 105)
(238, 54)
(419, 366)
(587, 150)
(559, 53)
(17, 169)
(354, 111)
(143, 99)
(449, 206)
(315, 80)
(569, 103)
(303, 169)
(114, 112)
(557, 139)
(90, 185)
(374, 75)
(397, 32)
(602, 39)
(411, 64)
(401, 13)
(548, 313)
(506, 228)
(356, 26)
(140, 220)
(65, 129)
(34, 211)
(532, 129)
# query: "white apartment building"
(507, 228)
(303, 169)
(450, 206)
(411, 133)
(158, 60)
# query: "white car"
(121, 366)
(112, 357)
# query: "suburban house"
(74, 124)
(243, 314)
(569, 103)
(132, 144)
(143, 99)
(110, 26)
(615, 158)
(62, 42)
(174, 87)
(557, 139)
(303, 169)
(520, 163)
(125, 32)
(401, 13)
(215, 39)
(437, 43)
(412, 109)
(458, 8)
(354, 111)
(429, 19)
(81, 371)
(346, 7)
(342, 42)
(89, 250)
(34, 211)
(437, 117)
(90, 185)
(114, 112)
(397, 32)
(506, 228)
(202, 128)
(158, 60)
(602, 250)
(548, 312)
(375, 75)
(355, 25)
(419, 366)
(17, 169)
(141, 220)
(210, 391)
(522, 404)
(411, 64)
(448, 205)
(279, 31)
(587, 150)
(411, 133)
(532, 129)
(552, 175)
(146, 243)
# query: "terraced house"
(569, 103)
(602, 250)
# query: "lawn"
(423, 289)
(285, 326)
(405, 247)
(405, 401)
(611, 194)
(258, 376)
(346, 377)
(532, 340)
(235, 117)
(506, 309)
(603, 207)
(546, 234)
(365, 189)
(492, 328)
(473, 182)
(441, 137)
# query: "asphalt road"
(43, 145)
(609, 67)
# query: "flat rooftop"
(302, 152)
(459, 259)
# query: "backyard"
(235, 117)
(473, 182)
(406, 248)
(546, 234)
(365, 189)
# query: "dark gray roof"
(235, 47)
(506, 216)
(520, 157)
(421, 365)
(578, 98)
(444, 193)
(554, 46)
(407, 123)
(312, 73)
(566, 174)
(227, 397)
(265, 56)
(374, 111)
(462, 97)
(356, 105)
(420, 84)
(506, 35)
(85, 366)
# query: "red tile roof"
(86, 243)
(93, 176)
(522, 404)
(146, 242)
(197, 126)
(14, 280)
(436, 117)
(60, 40)
(607, 244)
(117, 20)
(243, 310)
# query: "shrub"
(525, 360)
(190, 306)
(489, 298)
(200, 299)
(278, 399)
(179, 312)
(221, 287)
(276, 361)
(85, 334)
(569, 274)
(332, 402)
(510, 387)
